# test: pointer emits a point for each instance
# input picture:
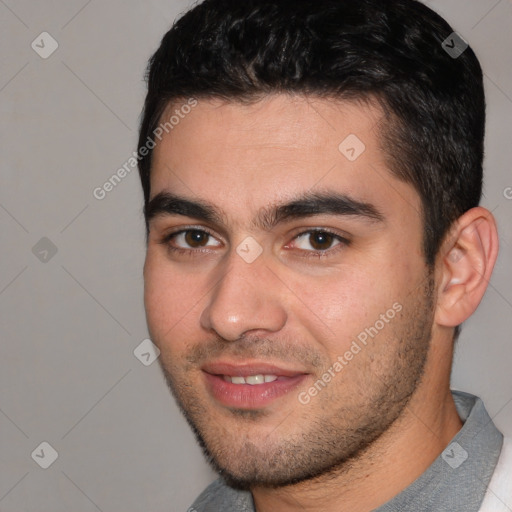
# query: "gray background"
(70, 321)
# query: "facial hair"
(325, 437)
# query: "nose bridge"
(246, 297)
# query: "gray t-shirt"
(455, 481)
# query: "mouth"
(249, 385)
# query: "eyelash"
(344, 242)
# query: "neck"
(391, 463)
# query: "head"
(345, 115)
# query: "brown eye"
(189, 241)
(196, 238)
(319, 243)
(320, 240)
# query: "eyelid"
(165, 239)
(341, 238)
(343, 242)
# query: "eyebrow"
(306, 205)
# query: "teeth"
(255, 379)
(250, 379)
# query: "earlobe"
(466, 260)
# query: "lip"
(246, 369)
(247, 396)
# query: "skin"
(382, 420)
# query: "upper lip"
(246, 369)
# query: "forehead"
(279, 122)
(246, 156)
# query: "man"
(312, 176)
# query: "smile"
(253, 380)
(250, 384)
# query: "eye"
(320, 240)
(195, 239)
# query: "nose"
(247, 297)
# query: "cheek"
(168, 300)
(343, 306)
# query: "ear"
(465, 263)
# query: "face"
(291, 336)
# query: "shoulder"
(219, 496)
(498, 497)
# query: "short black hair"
(387, 50)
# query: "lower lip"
(247, 396)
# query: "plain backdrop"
(71, 308)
